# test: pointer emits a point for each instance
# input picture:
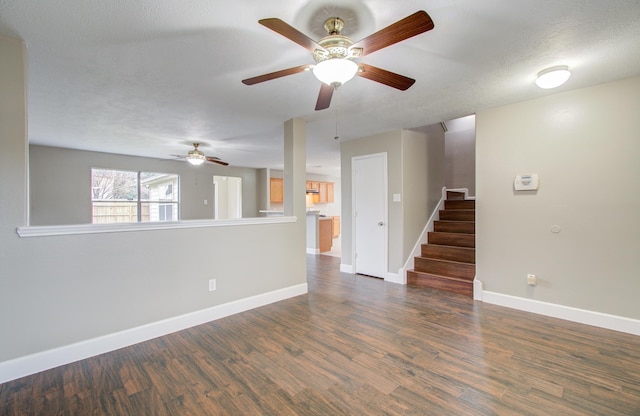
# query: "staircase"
(448, 260)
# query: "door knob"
(380, 224)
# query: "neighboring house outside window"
(130, 196)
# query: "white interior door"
(370, 214)
(227, 196)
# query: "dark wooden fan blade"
(324, 98)
(216, 160)
(410, 26)
(277, 74)
(385, 77)
(291, 33)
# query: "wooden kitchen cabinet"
(276, 190)
(314, 186)
(336, 226)
(325, 230)
(322, 194)
(325, 192)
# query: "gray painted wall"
(423, 170)
(585, 146)
(415, 164)
(58, 290)
(390, 143)
(262, 189)
(60, 184)
(460, 157)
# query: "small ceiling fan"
(196, 157)
(335, 55)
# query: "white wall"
(585, 145)
(60, 290)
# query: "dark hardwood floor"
(353, 345)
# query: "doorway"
(370, 231)
(227, 197)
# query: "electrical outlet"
(212, 285)
(531, 280)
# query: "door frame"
(236, 192)
(385, 190)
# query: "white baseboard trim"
(477, 289)
(34, 363)
(395, 278)
(313, 250)
(346, 268)
(568, 313)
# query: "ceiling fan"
(335, 54)
(196, 157)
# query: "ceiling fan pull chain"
(336, 137)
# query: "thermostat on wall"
(526, 182)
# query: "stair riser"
(455, 195)
(452, 239)
(437, 282)
(464, 255)
(458, 215)
(444, 268)
(454, 227)
(465, 204)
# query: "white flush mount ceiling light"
(195, 156)
(553, 77)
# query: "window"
(127, 196)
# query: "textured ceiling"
(147, 77)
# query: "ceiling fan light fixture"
(335, 71)
(553, 77)
(195, 156)
(195, 160)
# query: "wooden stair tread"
(449, 252)
(441, 276)
(445, 267)
(455, 196)
(438, 282)
(450, 246)
(457, 239)
(457, 215)
(460, 204)
(464, 227)
(453, 222)
(446, 261)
